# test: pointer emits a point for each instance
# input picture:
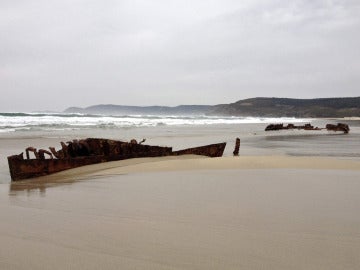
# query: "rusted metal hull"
(329, 127)
(212, 150)
(339, 127)
(93, 151)
(272, 127)
(29, 168)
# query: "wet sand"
(271, 212)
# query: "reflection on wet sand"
(40, 184)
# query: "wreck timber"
(339, 127)
(329, 127)
(211, 150)
(79, 153)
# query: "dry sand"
(186, 213)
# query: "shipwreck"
(89, 151)
(330, 127)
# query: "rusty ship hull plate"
(21, 168)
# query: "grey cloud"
(55, 54)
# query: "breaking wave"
(13, 122)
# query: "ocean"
(41, 130)
(15, 122)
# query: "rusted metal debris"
(78, 153)
(339, 127)
(290, 126)
(211, 150)
(237, 147)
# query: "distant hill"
(287, 107)
(261, 106)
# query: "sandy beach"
(263, 212)
(274, 83)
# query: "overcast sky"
(60, 53)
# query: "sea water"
(14, 122)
